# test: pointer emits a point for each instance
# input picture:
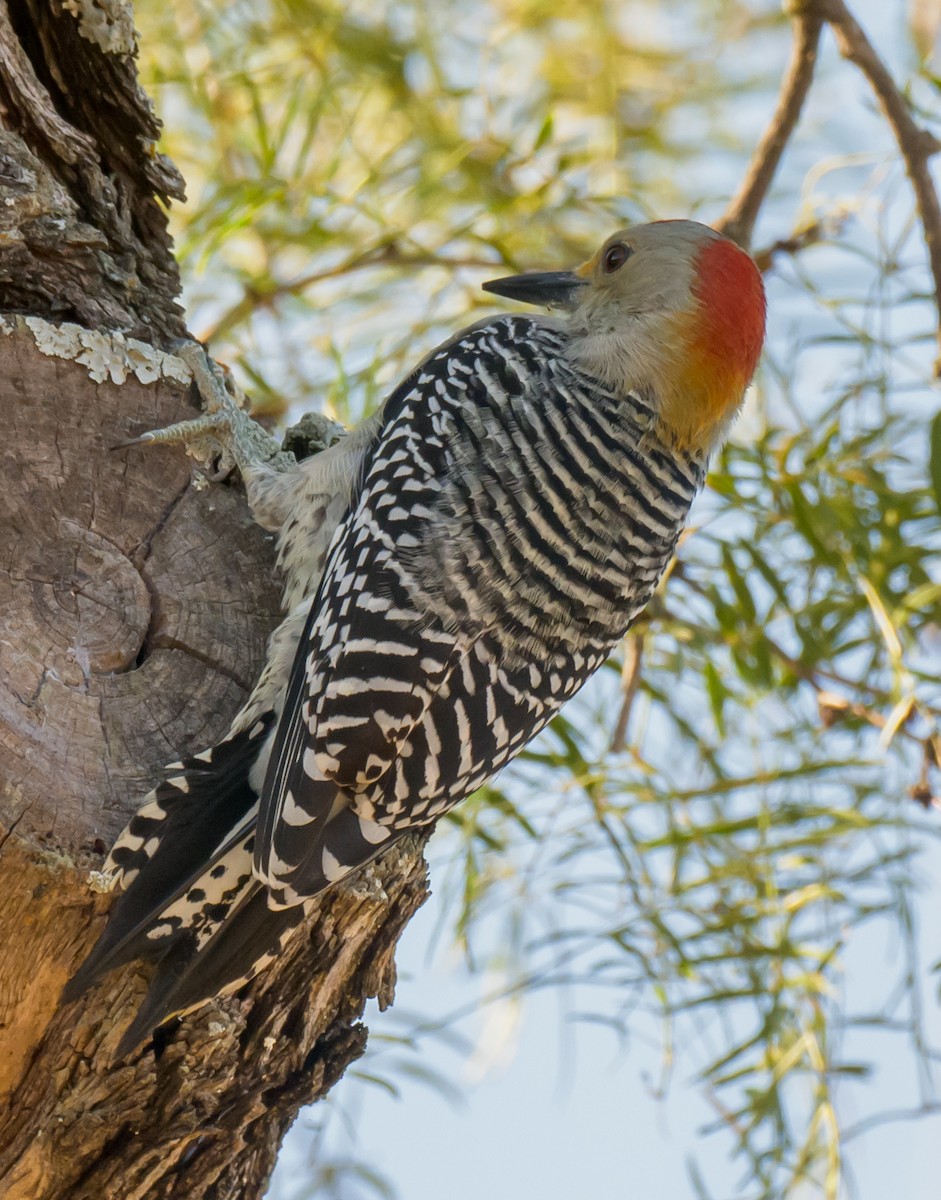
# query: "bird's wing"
(373, 653)
(459, 537)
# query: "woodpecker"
(455, 570)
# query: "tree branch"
(916, 145)
(738, 221)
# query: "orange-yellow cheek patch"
(709, 388)
(722, 341)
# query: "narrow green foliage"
(935, 459)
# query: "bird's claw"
(181, 431)
(224, 436)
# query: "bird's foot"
(225, 436)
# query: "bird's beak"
(550, 289)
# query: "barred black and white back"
(455, 571)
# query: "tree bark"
(134, 609)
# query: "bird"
(455, 569)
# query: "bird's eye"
(615, 257)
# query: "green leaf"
(934, 462)
(717, 693)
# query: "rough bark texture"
(83, 230)
(134, 609)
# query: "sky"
(572, 1115)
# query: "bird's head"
(673, 311)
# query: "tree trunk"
(134, 610)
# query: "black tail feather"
(341, 842)
(186, 977)
(194, 831)
(139, 940)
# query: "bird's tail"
(184, 864)
(234, 952)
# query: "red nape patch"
(730, 289)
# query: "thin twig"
(916, 145)
(928, 1109)
(739, 219)
(630, 681)
(387, 254)
(807, 235)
